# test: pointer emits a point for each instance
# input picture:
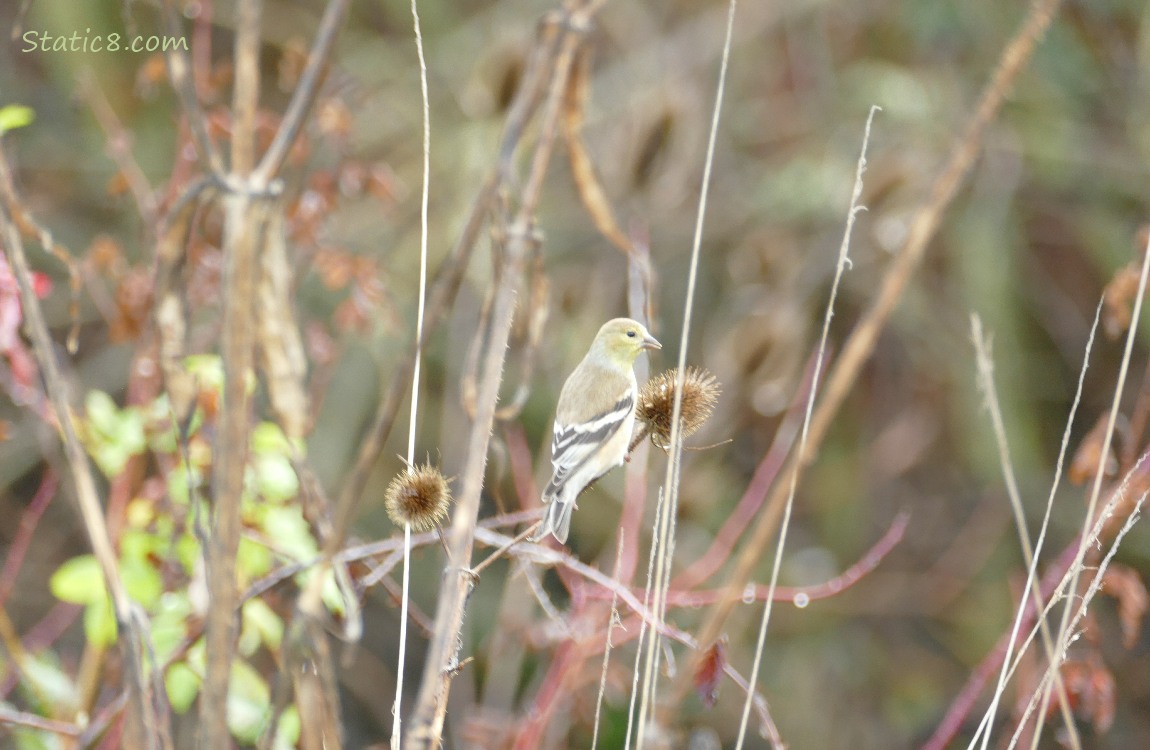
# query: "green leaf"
(78, 581)
(288, 731)
(113, 435)
(139, 545)
(269, 439)
(289, 532)
(15, 116)
(248, 642)
(253, 559)
(100, 622)
(130, 430)
(188, 552)
(197, 657)
(276, 480)
(332, 594)
(183, 685)
(262, 621)
(208, 369)
(161, 427)
(47, 681)
(101, 411)
(142, 581)
(187, 549)
(249, 700)
(34, 739)
(178, 483)
(111, 458)
(170, 623)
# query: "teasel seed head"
(418, 495)
(657, 403)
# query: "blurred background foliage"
(1050, 212)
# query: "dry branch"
(245, 228)
(304, 96)
(563, 34)
(427, 720)
(180, 73)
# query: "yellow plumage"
(593, 419)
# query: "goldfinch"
(593, 419)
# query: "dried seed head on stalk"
(657, 403)
(420, 496)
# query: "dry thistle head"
(418, 495)
(657, 403)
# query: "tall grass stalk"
(1030, 555)
(612, 619)
(843, 264)
(396, 721)
(642, 627)
(1096, 489)
(1095, 585)
(671, 479)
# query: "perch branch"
(442, 654)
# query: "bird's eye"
(630, 334)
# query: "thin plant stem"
(181, 75)
(1087, 597)
(612, 619)
(642, 626)
(671, 478)
(1030, 555)
(305, 93)
(844, 262)
(1054, 584)
(424, 198)
(29, 520)
(1063, 640)
(396, 720)
(396, 723)
(503, 550)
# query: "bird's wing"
(573, 445)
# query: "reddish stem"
(825, 590)
(752, 500)
(631, 522)
(28, 522)
(42, 635)
(566, 659)
(963, 703)
(522, 474)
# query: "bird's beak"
(650, 342)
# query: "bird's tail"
(556, 520)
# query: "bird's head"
(623, 339)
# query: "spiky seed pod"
(418, 495)
(657, 403)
